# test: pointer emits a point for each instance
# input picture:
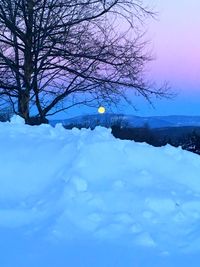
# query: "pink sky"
(176, 43)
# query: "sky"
(175, 45)
(175, 36)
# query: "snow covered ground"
(81, 198)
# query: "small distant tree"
(6, 113)
(55, 50)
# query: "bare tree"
(55, 50)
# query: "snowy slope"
(130, 120)
(84, 199)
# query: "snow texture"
(83, 198)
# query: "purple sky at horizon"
(175, 41)
(175, 37)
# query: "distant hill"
(131, 121)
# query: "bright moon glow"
(101, 110)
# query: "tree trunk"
(37, 120)
(24, 94)
(23, 105)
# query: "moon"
(101, 110)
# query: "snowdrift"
(63, 192)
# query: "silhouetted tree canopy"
(52, 51)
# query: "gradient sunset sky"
(175, 42)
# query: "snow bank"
(77, 186)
